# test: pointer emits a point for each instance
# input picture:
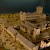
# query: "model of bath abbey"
(25, 30)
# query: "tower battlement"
(39, 9)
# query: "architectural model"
(25, 30)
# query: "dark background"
(11, 6)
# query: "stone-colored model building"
(39, 10)
(31, 16)
(36, 32)
(26, 27)
(12, 31)
(22, 16)
(23, 41)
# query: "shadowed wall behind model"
(7, 6)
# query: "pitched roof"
(25, 41)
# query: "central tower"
(39, 10)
